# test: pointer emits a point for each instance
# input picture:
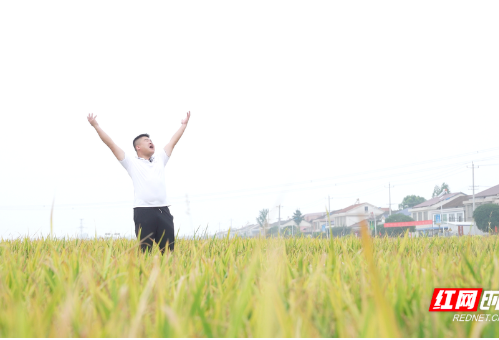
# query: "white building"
(465, 228)
(450, 206)
(356, 213)
(250, 230)
(321, 223)
(490, 195)
(304, 225)
(447, 215)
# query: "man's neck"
(144, 156)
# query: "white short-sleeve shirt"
(148, 179)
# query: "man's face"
(145, 146)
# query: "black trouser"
(155, 224)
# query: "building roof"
(456, 203)
(275, 224)
(436, 200)
(311, 216)
(403, 212)
(323, 219)
(348, 208)
(489, 192)
(355, 206)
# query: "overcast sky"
(290, 102)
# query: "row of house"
(454, 210)
(351, 217)
(311, 222)
(454, 207)
(450, 212)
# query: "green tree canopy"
(297, 217)
(486, 213)
(411, 200)
(340, 231)
(273, 231)
(262, 218)
(291, 231)
(395, 231)
(438, 189)
(398, 218)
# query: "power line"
(354, 174)
(370, 191)
(200, 198)
(323, 186)
(427, 177)
(318, 185)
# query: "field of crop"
(276, 287)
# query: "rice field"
(343, 287)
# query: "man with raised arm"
(153, 221)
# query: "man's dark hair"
(137, 138)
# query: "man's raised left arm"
(171, 144)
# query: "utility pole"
(81, 228)
(390, 198)
(329, 213)
(279, 206)
(473, 183)
(444, 192)
(441, 217)
(374, 222)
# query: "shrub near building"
(485, 216)
(395, 231)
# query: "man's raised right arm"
(118, 153)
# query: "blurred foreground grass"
(343, 287)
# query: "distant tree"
(298, 217)
(398, 218)
(273, 231)
(395, 231)
(411, 200)
(262, 219)
(340, 231)
(438, 189)
(487, 213)
(291, 231)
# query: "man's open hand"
(91, 119)
(186, 120)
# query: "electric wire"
(277, 188)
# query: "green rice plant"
(233, 287)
